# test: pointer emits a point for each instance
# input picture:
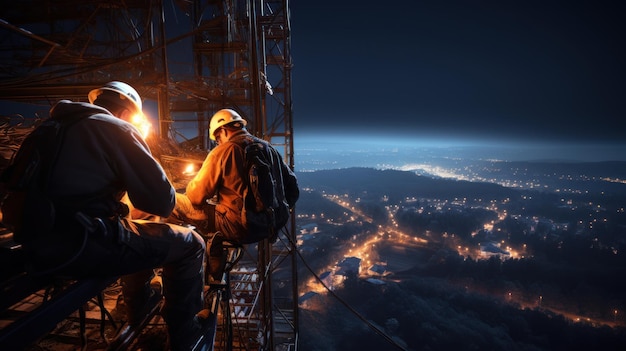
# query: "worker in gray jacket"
(102, 159)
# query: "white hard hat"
(224, 117)
(125, 91)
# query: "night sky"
(539, 71)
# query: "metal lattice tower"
(191, 58)
(61, 49)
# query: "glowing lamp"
(140, 121)
(190, 169)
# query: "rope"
(343, 302)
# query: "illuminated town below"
(488, 227)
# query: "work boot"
(140, 297)
(216, 258)
(183, 300)
(203, 331)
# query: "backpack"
(26, 208)
(265, 210)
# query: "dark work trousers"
(132, 249)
